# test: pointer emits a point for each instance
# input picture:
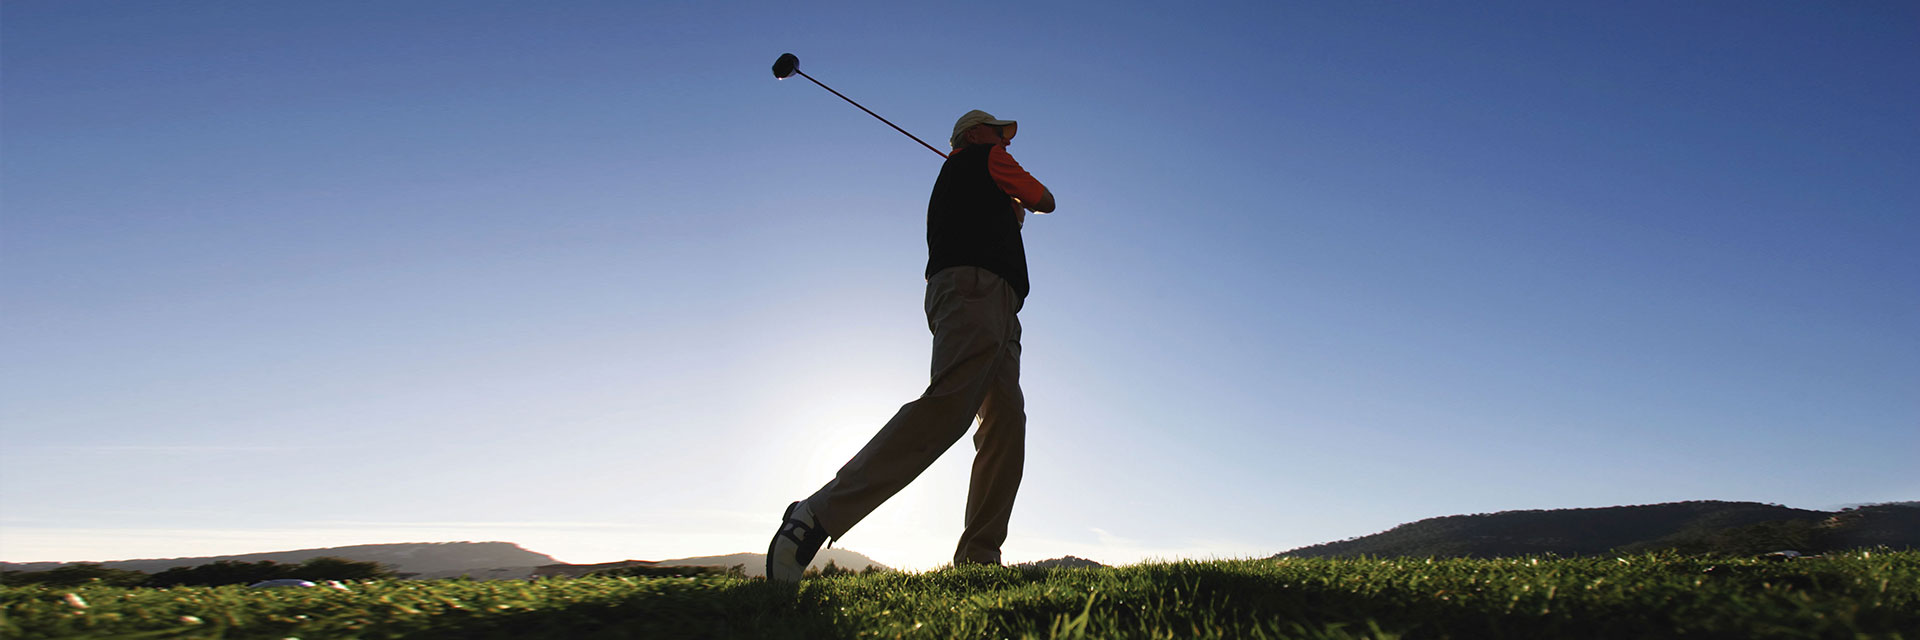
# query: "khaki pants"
(976, 371)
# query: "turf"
(1853, 595)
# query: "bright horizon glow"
(576, 543)
(584, 278)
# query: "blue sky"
(584, 276)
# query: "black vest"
(971, 222)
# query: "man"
(976, 283)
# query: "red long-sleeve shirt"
(1012, 179)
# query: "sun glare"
(838, 426)
(914, 528)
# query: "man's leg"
(969, 313)
(999, 456)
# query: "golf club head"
(785, 65)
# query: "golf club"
(789, 64)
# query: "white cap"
(975, 118)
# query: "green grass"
(1855, 595)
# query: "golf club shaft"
(870, 112)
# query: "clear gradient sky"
(585, 277)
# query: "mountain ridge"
(1694, 526)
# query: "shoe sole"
(776, 539)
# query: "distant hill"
(478, 560)
(1701, 526)
(406, 558)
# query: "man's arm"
(1045, 205)
(1017, 182)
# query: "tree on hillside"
(1803, 535)
(235, 572)
(1765, 537)
(830, 569)
(77, 574)
(331, 568)
(219, 573)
